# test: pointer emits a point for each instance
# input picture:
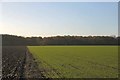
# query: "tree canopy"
(13, 40)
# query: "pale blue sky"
(62, 18)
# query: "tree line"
(13, 40)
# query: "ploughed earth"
(18, 62)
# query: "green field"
(77, 61)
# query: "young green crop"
(77, 61)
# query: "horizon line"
(61, 35)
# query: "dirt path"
(31, 67)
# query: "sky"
(59, 18)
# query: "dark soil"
(31, 67)
(18, 63)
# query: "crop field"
(77, 61)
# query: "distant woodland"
(13, 40)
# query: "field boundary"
(31, 67)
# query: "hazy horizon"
(47, 19)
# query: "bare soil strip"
(18, 63)
(13, 59)
(31, 67)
